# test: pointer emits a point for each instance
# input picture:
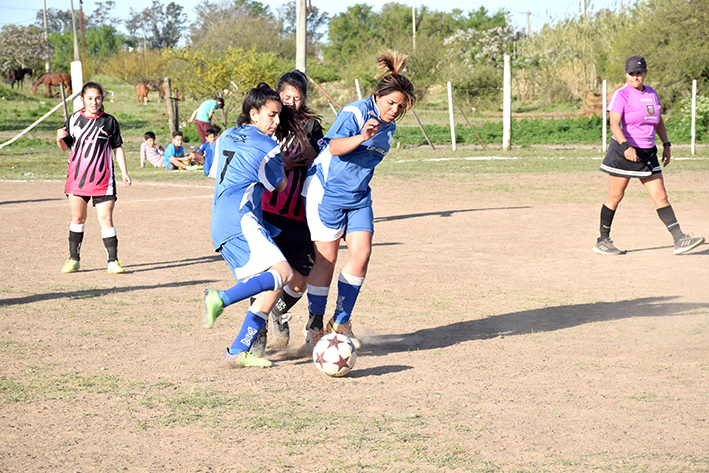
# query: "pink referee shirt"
(640, 114)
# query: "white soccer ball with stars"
(335, 354)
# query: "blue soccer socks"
(267, 281)
(253, 323)
(348, 287)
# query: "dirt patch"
(494, 339)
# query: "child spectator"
(171, 160)
(151, 151)
(205, 152)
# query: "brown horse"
(18, 75)
(51, 79)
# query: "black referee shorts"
(615, 163)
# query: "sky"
(541, 11)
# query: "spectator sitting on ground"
(205, 153)
(174, 157)
(151, 151)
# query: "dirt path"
(494, 339)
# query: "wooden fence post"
(172, 120)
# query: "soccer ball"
(335, 354)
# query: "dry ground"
(494, 338)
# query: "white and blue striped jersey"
(345, 179)
(249, 161)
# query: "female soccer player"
(249, 162)
(634, 111)
(92, 136)
(338, 196)
(285, 210)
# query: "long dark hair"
(256, 98)
(288, 125)
(95, 86)
(393, 63)
(297, 80)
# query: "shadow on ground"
(91, 293)
(547, 319)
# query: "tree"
(315, 21)
(206, 73)
(60, 20)
(244, 24)
(22, 46)
(672, 38)
(135, 66)
(158, 26)
(100, 44)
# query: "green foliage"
(524, 132)
(679, 127)
(135, 66)
(672, 38)
(207, 73)
(100, 44)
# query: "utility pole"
(46, 36)
(73, 26)
(529, 25)
(301, 44)
(81, 26)
(413, 21)
(583, 9)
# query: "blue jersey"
(207, 151)
(345, 179)
(249, 162)
(170, 151)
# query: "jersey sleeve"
(116, 140)
(618, 101)
(271, 171)
(348, 123)
(69, 140)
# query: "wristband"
(666, 145)
(624, 146)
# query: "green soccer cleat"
(71, 266)
(213, 307)
(245, 359)
(114, 267)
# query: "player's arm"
(194, 114)
(121, 160)
(342, 146)
(62, 134)
(662, 133)
(630, 153)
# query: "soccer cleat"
(114, 267)
(313, 336)
(344, 329)
(213, 307)
(281, 330)
(685, 244)
(605, 246)
(244, 359)
(71, 266)
(259, 346)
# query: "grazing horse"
(141, 90)
(18, 75)
(52, 79)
